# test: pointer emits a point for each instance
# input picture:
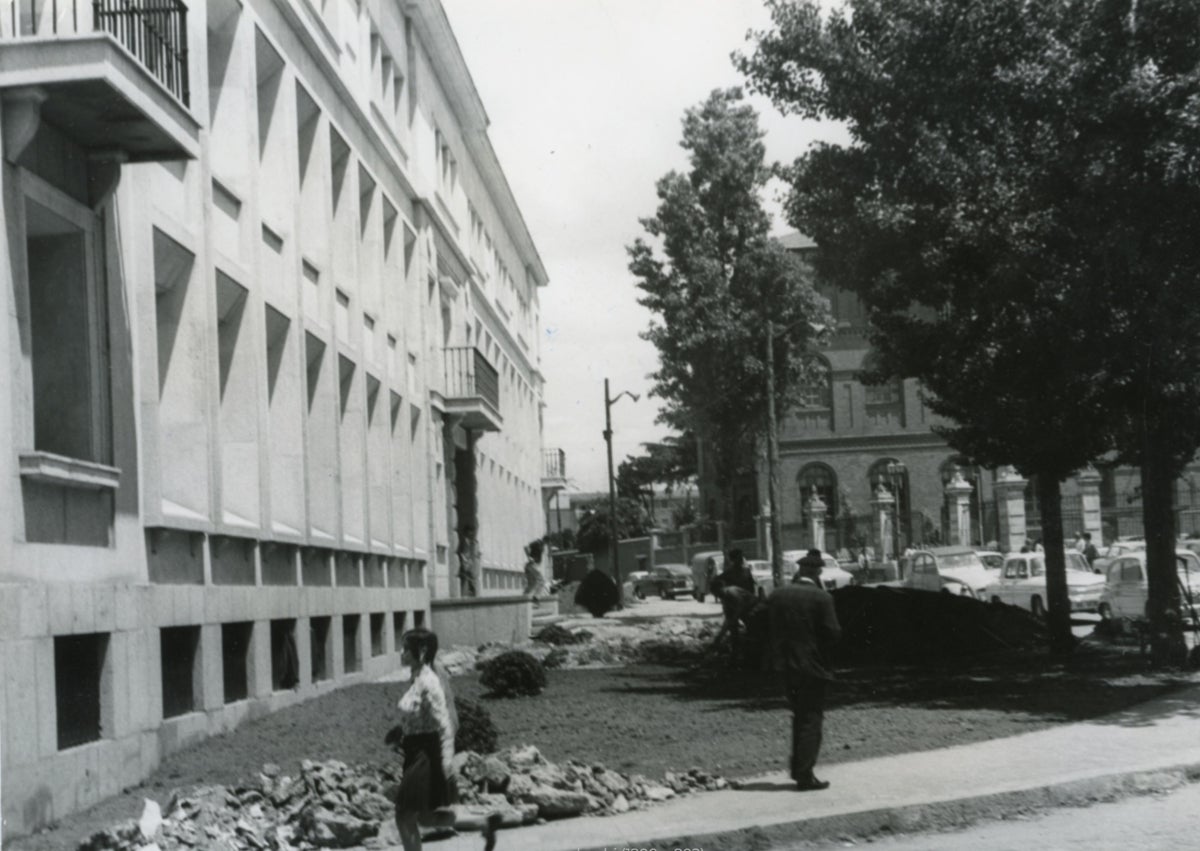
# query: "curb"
(932, 816)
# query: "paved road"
(1150, 822)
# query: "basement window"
(285, 661)
(399, 619)
(377, 648)
(351, 655)
(235, 659)
(80, 675)
(180, 670)
(319, 640)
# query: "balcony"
(111, 76)
(472, 389)
(554, 469)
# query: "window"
(351, 655)
(180, 670)
(235, 659)
(80, 666)
(885, 394)
(821, 479)
(66, 327)
(319, 646)
(814, 390)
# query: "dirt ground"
(670, 717)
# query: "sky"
(585, 100)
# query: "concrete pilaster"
(882, 505)
(1010, 505)
(816, 520)
(958, 508)
(1088, 481)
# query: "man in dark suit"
(803, 626)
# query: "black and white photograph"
(687, 425)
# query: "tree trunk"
(1167, 646)
(1058, 604)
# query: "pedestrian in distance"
(534, 581)
(427, 787)
(735, 589)
(803, 627)
(1089, 549)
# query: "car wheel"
(639, 593)
(668, 594)
(1105, 612)
(699, 597)
(1038, 608)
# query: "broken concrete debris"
(334, 805)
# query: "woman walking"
(428, 743)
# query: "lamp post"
(896, 472)
(612, 490)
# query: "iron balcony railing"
(469, 374)
(154, 31)
(554, 464)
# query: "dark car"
(665, 580)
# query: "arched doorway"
(822, 479)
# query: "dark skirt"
(424, 787)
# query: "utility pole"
(613, 549)
(773, 463)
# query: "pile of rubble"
(333, 805)
(670, 641)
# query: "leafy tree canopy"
(1015, 208)
(592, 537)
(712, 279)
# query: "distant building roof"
(796, 241)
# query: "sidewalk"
(1150, 746)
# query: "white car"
(832, 574)
(1023, 583)
(961, 564)
(764, 578)
(1124, 594)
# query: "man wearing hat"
(803, 627)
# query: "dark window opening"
(79, 662)
(285, 661)
(180, 669)
(319, 637)
(235, 659)
(377, 648)
(350, 652)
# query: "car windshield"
(960, 560)
(1037, 566)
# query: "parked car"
(1117, 548)
(1023, 583)
(833, 575)
(952, 565)
(1124, 594)
(705, 567)
(919, 570)
(764, 578)
(991, 559)
(665, 580)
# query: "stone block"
(125, 604)
(118, 656)
(149, 753)
(104, 607)
(154, 697)
(58, 601)
(47, 696)
(21, 736)
(195, 604)
(160, 604)
(83, 609)
(10, 612)
(212, 675)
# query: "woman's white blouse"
(423, 709)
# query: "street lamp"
(609, 401)
(896, 472)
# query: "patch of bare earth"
(650, 719)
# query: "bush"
(476, 730)
(556, 658)
(558, 636)
(513, 674)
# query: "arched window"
(821, 477)
(893, 476)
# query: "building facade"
(269, 356)
(845, 441)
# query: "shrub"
(558, 636)
(476, 730)
(513, 674)
(555, 658)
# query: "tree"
(592, 536)
(707, 284)
(669, 463)
(1015, 208)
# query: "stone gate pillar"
(816, 520)
(1010, 507)
(958, 509)
(881, 525)
(1089, 504)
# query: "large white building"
(268, 355)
